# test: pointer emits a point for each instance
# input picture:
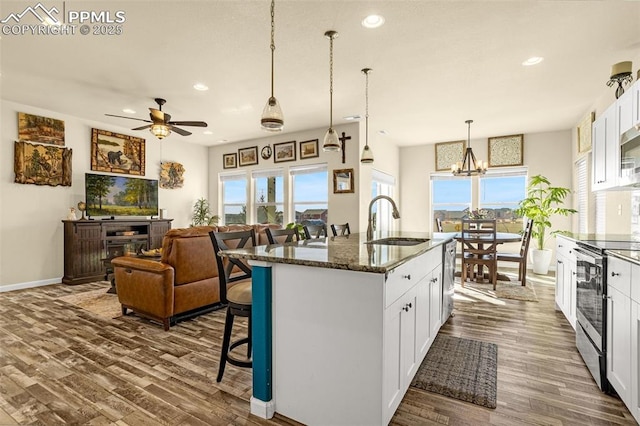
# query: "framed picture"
(506, 151)
(309, 149)
(230, 161)
(343, 181)
(171, 175)
(584, 132)
(116, 153)
(285, 151)
(42, 165)
(248, 156)
(448, 153)
(35, 128)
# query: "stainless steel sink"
(399, 241)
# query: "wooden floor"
(60, 364)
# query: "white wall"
(342, 207)
(31, 240)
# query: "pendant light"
(272, 118)
(331, 138)
(469, 167)
(367, 154)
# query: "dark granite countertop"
(349, 252)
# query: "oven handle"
(589, 257)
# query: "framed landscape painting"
(230, 161)
(248, 156)
(309, 149)
(41, 164)
(34, 128)
(285, 151)
(116, 153)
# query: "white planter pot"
(541, 260)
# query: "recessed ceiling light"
(534, 60)
(222, 141)
(373, 21)
(128, 111)
(201, 87)
(207, 132)
(352, 117)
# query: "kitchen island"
(340, 326)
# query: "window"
(583, 196)
(310, 194)
(234, 198)
(500, 193)
(382, 184)
(269, 196)
(450, 200)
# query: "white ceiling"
(435, 64)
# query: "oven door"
(590, 298)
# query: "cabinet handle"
(574, 273)
(407, 276)
(410, 305)
(560, 245)
(405, 308)
(560, 261)
(614, 274)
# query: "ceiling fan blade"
(167, 118)
(179, 131)
(129, 118)
(188, 123)
(156, 115)
(143, 127)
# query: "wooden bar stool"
(237, 297)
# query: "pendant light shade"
(367, 154)
(272, 118)
(331, 142)
(469, 166)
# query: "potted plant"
(202, 214)
(542, 202)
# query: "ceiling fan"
(161, 124)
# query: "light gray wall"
(31, 240)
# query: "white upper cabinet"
(635, 103)
(605, 150)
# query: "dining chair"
(521, 257)
(340, 229)
(237, 297)
(478, 239)
(315, 231)
(439, 224)
(281, 236)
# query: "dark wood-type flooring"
(60, 364)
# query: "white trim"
(256, 174)
(232, 176)
(262, 409)
(30, 284)
(307, 169)
(383, 177)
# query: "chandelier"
(469, 166)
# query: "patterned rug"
(98, 302)
(460, 368)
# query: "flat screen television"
(107, 195)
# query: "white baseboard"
(262, 409)
(31, 284)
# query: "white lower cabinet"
(435, 301)
(619, 343)
(634, 403)
(566, 278)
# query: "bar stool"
(340, 229)
(237, 297)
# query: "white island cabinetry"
(346, 344)
(566, 278)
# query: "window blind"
(308, 169)
(267, 173)
(583, 195)
(232, 176)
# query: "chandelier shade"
(272, 118)
(331, 142)
(469, 166)
(160, 131)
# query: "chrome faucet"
(395, 214)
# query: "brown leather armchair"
(184, 281)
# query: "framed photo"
(248, 156)
(584, 132)
(35, 128)
(448, 153)
(343, 181)
(230, 161)
(285, 151)
(506, 151)
(42, 165)
(309, 149)
(116, 153)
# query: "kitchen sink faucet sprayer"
(395, 214)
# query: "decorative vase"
(541, 260)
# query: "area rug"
(99, 302)
(460, 368)
(504, 290)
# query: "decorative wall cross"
(343, 139)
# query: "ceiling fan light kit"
(272, 118)
(470, 166)
(161, 125)
(331, 142)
